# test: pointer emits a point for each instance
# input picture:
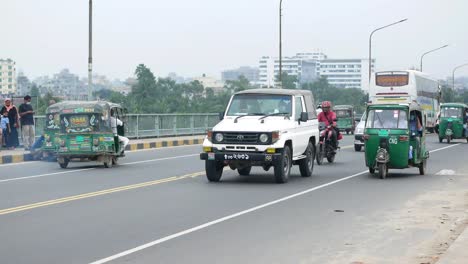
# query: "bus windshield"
(391, 119)
(453, 112)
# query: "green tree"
(288, 81)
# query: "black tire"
(440, 140)
(347, 132)
(306, 166)
(63, 163)
(214, 170)
(115, 160)
(422, 167)
(245, 171)
(283, 169)
(448, 140)
(357, 148)
(319, 154)
(331, 158)
(108, 162)
(383, 171)
(371, 170)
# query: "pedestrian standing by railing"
(5, 128)
(26, 113)
(12, 138)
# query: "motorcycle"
(325, 148)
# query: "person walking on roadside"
(12, 141)
(26, 113)
(5, 127)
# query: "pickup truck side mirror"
(304, 117)
(221, 116)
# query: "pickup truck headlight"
(263, 138)
(219, 137)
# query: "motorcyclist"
(328, 117)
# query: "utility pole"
(280, 46)
(90, 54)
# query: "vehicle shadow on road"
(258, 179)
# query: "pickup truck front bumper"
(244, 157)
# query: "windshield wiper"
(273, 114)
(250, 114)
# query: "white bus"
(399, 85)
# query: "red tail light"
(404, 138)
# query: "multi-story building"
(210, 82)
(250, 73)
(64, 84)
(7, 77)
(269, 67)
(307, 67)
(347, 73)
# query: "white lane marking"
(127, 151)
(446, 172)
(229, 217)
(223, 219)
(451, 146)
(43, 175)
(79, 170)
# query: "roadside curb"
(456, 253)
(17, 158)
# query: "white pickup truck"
(264, 127)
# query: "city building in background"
(210, 82)
(7, 77)
(308, 67)
(346, 73)
(23, 84)
(250, 73)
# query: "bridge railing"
(159, 125)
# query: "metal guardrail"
(158, 125)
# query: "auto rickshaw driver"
(115, 121)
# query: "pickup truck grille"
(241, 138)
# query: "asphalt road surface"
(158, 207)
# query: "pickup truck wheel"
(214, 170)
(306, 165)
(244, 171)
(283, 169)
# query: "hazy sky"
(191, 37)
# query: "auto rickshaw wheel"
(63, 162)
(448, 140)
(371, 170)
(108, 162)
(422, 167)
(440, 140)
(115, 160)
(383, 170)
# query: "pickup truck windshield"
(260, 105)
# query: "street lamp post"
(370, 43)
(280, 77)
(453, 74)
(424, 54)
(90, 50)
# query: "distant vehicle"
(397, 85)
(452, 118)
(264, 127)
(359, 132)
(345, 116)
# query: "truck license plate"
(236, 156)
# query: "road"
(158, 207)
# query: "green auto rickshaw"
(90, 130)
(452, 121)
(345, 116)
(394, 138)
